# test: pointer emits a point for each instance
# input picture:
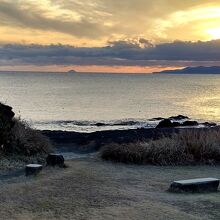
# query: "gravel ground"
(93, 189)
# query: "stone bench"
(55, 160)
(33, 169)
(195, 185)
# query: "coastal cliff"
(194, 70)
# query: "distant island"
(71, 71)
(194, 70)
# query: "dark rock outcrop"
(190, 123)
(209, 124)
(167, 123)
(6, 124)
(175, 118)
(156, 119)
(6, 112)
(178, 117)
(99, 124)
(92, 142)
(176, 124)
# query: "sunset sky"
(108, 35)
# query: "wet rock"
(166, 123)
(55, 160)
(195, 185)
(209, 124)
(99, 124)
(6, 111)
(156, 119)
(178, 117)
(6, 116)
(176, 124)
(190, 123)
(33, 169)
(6, 124)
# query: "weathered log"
(195, 185)
(55, 160)
(33, 169)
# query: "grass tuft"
(27, 141)
(194, 146)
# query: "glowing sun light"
(214, 33)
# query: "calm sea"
(79, 101)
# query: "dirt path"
(93, 189)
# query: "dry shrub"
(125, 153)
(27, 141)
(194, 146)
(18, 141)
(204, 145)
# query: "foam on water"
(89, 126)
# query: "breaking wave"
(90, 126)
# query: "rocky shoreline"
(91, 142)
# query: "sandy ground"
(93, 189)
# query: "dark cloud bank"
(127, 53)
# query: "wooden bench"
(195, 185)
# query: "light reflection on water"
(53, 97)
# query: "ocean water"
(61, 101)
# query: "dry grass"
(187, 147)
(27, 141)
(24, 145)
(96, 190)
(19, 143)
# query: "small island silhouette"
(71, 71)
